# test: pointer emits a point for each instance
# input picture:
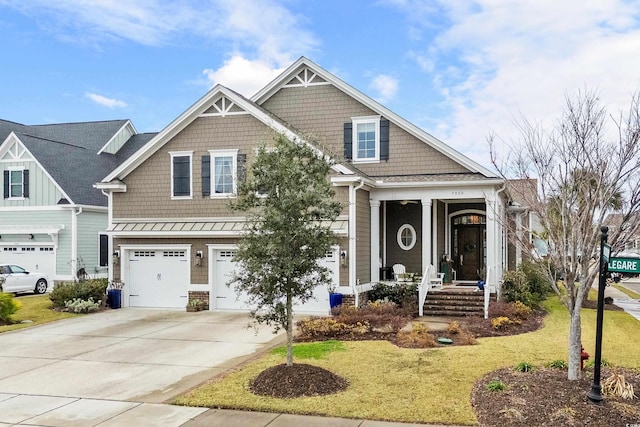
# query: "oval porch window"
(406, 237)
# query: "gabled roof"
(68, 153)
(204, 104)
(291, 72)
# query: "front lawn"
(422, 385)
(37, 309)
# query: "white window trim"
(182, 154)
(234, 172)
(355, 121)
(414, 237)
(21, 170)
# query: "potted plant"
(195, 305)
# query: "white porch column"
(434, 235)
(426, 233)
(493, 242)
(518, 238)
(375, 239)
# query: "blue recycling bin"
(114, 298)
(335, 300)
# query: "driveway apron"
(128, 354)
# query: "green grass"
(37, 309)
(315, 350)
(423, 385)
(629, 292)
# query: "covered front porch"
(457, 231)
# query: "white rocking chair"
(399, 271)
(436, 280)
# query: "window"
(366, 138)
(181, 175)
(16, 183)
(406, 237)
(224, 169)
(103, 250)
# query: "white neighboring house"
(52, 220)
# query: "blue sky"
(459, 69)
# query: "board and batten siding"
(42, 190)
(90, 225)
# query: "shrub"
(454, 328)
(417, 337)
(501, 322)
(591, 363)
(81, 306)
(94, 289)
(322, 327)
(558, 364)
(377, 315)
(524, 367)
(496, 385)
(403, 294)
(526, 284)
(8, 306)
(616, 385)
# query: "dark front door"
(469, 256)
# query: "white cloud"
(104, 101)
(495, 61)
(385, 85)
(242, 75)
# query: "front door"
(468, 241)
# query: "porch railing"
(423, 289)
(487, 289)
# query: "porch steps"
(455, 303)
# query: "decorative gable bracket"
(222, 107)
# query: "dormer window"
(366, 139)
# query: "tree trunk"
(289, 329)
(575, 339)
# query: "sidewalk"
(622, 300)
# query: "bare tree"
(582, 174)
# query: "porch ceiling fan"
(406, 202)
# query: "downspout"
(352, 239)
(74, 242)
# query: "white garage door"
(158, 278)
(32, 258)
(227, 299)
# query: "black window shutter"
(181, 176)
(348, 140)
(104, 250)
(242, 167)
(25, 183)
(6, 184)
(206, 176)
(384, 139)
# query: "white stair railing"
(487, 291)
(423, 289)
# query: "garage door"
(227, 299)
(158, 278)
(32, 258)
(319, 304)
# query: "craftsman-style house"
(408, 197)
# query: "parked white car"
(14, 278)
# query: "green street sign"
(624, 265)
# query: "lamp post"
(594, 395)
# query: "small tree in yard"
(582, 174)
(289, 202)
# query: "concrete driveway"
(140, 355)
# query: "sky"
(461, 70)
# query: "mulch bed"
(298, 380)
(545, 397)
